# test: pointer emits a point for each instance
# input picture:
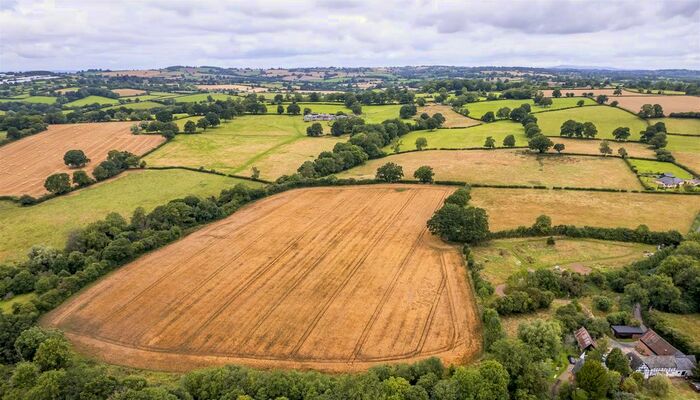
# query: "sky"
(131, 34)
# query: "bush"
(390, 172)
(659, 385)
(602, 303)
(82, 179)
(58, 183)
(424, 174)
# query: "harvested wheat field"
(670, 104)
(589, 146)
(128, 92)
(452, 119)
(335, 279)
(240, 88)
(510, 167)
(26, 163)
(596, 92)
(510, 208)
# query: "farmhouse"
(322, 117)
(627, 332)
(650, 343)
(672, 366)
(584, 340)
(670, 181)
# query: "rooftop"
(658, 345)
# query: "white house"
(671, 366)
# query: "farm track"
(334, 279)
(27, 162)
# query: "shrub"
(390, 172)
(58, 183)
(602, 303)
(424, 174)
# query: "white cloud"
(75, 34)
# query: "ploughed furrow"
(331, 278)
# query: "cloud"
(80, 34)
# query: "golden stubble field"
(26, 163)
(335, 279)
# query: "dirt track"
(26, 163)
(335, 279)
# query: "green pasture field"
(689, 324)
(504, 257)
(92, 100)
(659, 167)
(244, 142)
(50, 222)
(195, 98)
(478, 109)
(142, 105)
(380, 113)
(459, 138)
(689, 126)
(142, 97)
(686, 150)
(30, 99)
(319, 108)
(605, 118)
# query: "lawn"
(478, 109)
(460, 138)
(91, 100)
(504, 257)
(680, 125)
(649, 167)
(238, 145)
(605, 118)
(509, 167)
(686, 149)
(51, 221)
(510, 208)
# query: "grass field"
(294, 280)
(50, 222)
(320, 108)
(194, 98)
(510, 208)
(478, 109)
(605, 118)
(143, 105)
(452, 118)
(238, 145)
(378, 114)
(686, 150)
(680, 125)
(6, 305)
(689, 324)
(509, 167)
(459, 138)
(659, 167)
(128, 92)
(91, 100)
(31, 99)
(504, 257)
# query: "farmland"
(459, 138)
(50, 222)
(91, 100)
(452, 119)
(510, 167)
(606, 91)
(688, 126)
(128, 92)
(659, 167)
(47, 149)
(377, 114)
(605, 118)
(193, 98)
(502, 258)
(510, 208)
(478, 109)
(32, 99)
(669, 103)
(142, 105)
(320, 108)
(295, 280)
(686, 149)
(238, 145)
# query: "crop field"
(50, 222)
(238, 145)
(510, 208)
(240, 88)
(478, 109)
(452, 119)
(605, 118)
(91, 100)
(334, 279)
(686, 150)
(460, 138)
(19, 175)
(689, 126)
(128, 92)
(585, 146)
(669, 103)
(504, 257)
(509, 167)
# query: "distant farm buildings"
(670, 181)
(322, 117)
(653, 355)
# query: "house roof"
(657, 344)
(626, 329)
(635, 360)
(686, 362)
(584, 338)
(669, 180)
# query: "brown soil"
(670, 104)
(452, 119)
(128, 92)
(335, 279)
(26, 163)
(579, 268)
